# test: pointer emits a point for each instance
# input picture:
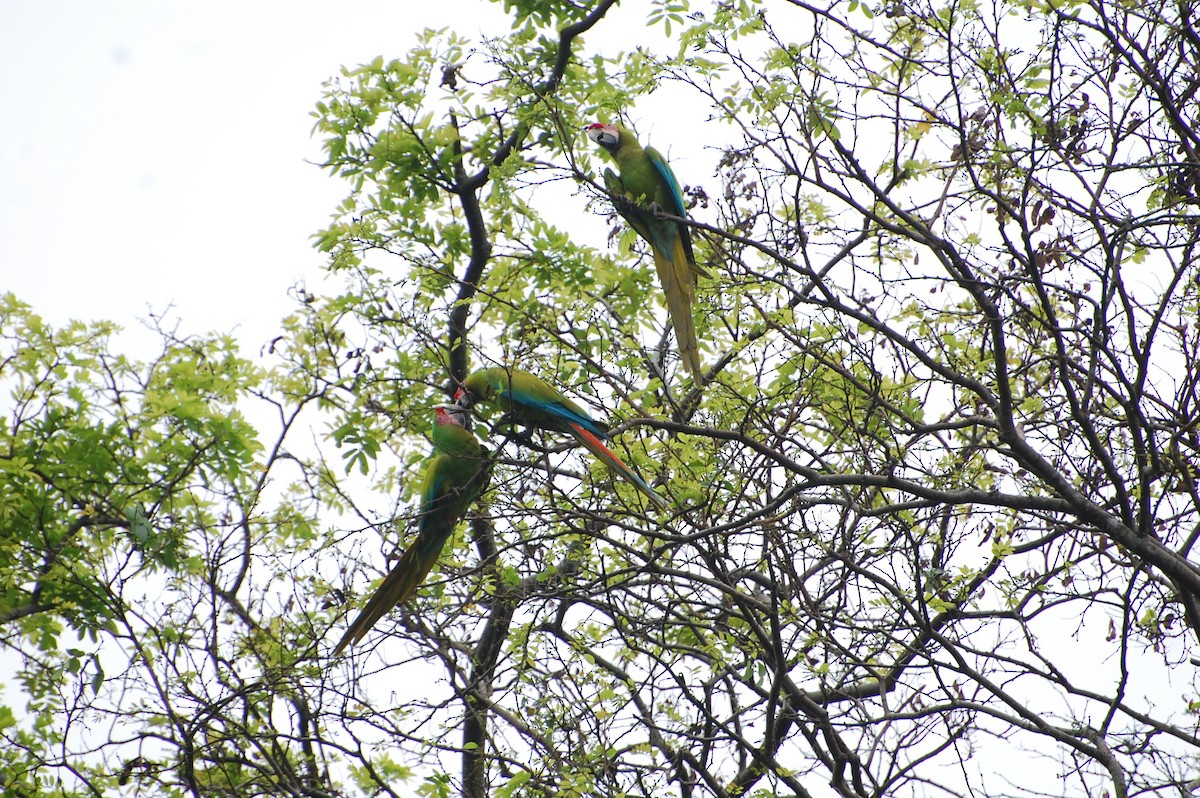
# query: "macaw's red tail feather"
(594, 445)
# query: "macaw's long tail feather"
(399, 585)
(678, 285)
(594, 445)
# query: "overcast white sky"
(154, 153)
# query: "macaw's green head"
(479, 387)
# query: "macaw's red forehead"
(443, 416)
(607, 136)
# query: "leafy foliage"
(935, 504)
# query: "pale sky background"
(157, 154)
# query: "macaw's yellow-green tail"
(398, 586)
(678, 287)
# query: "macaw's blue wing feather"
(565, 415)
(534, 402)
(674, 194)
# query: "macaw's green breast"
(456, 441)
(639, 176)
(456, 461)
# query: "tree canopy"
(933, 508)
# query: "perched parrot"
(532, 402)
(456, 475)
(646, 189)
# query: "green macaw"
(646, 189)
(532, 402)
(457, 473)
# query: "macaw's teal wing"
(670, 197)
(541, 400)
(671, 192)
(529, 400)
